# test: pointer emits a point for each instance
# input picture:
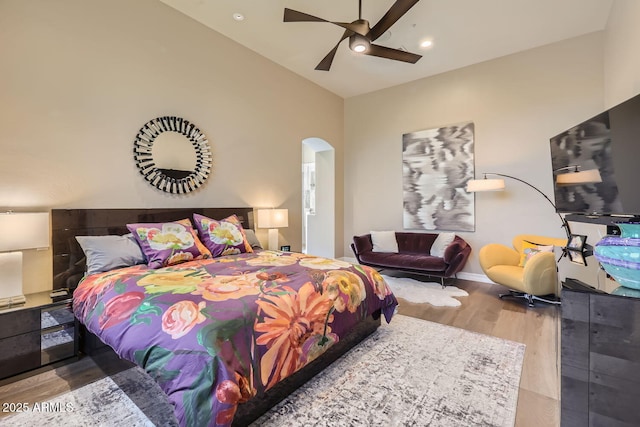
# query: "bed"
(226, 336)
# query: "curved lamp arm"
(565, 224)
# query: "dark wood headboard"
(68, 258)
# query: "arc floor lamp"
(573, 177)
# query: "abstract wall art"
(436, 165)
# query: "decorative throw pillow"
(167, 243)
(105, 253)
(235, 220)
(440, 244)
(201, 247)
(384, 241)
(529, 249)
(223, 237)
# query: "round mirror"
(172, 154)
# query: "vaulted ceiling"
(463, 32)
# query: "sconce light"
(18, 231)
(273, 219)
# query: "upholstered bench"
(415, 254)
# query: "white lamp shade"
(474, 185)
(22, 230)
(591, 176)
(273, 218)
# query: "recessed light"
(426, 43)
(238, 16)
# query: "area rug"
(409, 373)
(128, 398)
(419, 292)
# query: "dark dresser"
(600, 358)
(37, 333)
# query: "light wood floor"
(482, 311)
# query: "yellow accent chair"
(537, 278)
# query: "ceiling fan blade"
(399, 8)
(291, 15)
(361, 28)
(325, 64)
(389, 53)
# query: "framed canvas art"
(436, 165)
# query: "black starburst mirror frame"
(142, 154)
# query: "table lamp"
(273, 219)
(18, 231)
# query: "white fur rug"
(419, 292)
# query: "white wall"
(517, 103)
(621, 60)
(79, 78)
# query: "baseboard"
(476, 277)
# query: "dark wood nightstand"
(39, 332)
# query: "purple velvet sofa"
(413, 255)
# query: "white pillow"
(384, 241)
(440, 244)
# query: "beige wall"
(621, 60)
(78, 78)
(516, 102)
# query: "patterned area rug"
(409, 373)
(425, 292)
(128, 398)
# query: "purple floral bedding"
(214, 333)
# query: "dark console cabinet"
(600, 358)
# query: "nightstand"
(37, 333)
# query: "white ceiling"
(464, 32)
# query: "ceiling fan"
(361, 35)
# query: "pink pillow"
(224, 237)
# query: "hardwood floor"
(482, 311)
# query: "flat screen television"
(610, 143)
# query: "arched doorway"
(318, 197)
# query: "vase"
(620, 255)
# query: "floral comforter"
(213, 333)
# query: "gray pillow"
(105, 253)
(252, 238)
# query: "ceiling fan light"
(358, 43)
(359, 48)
